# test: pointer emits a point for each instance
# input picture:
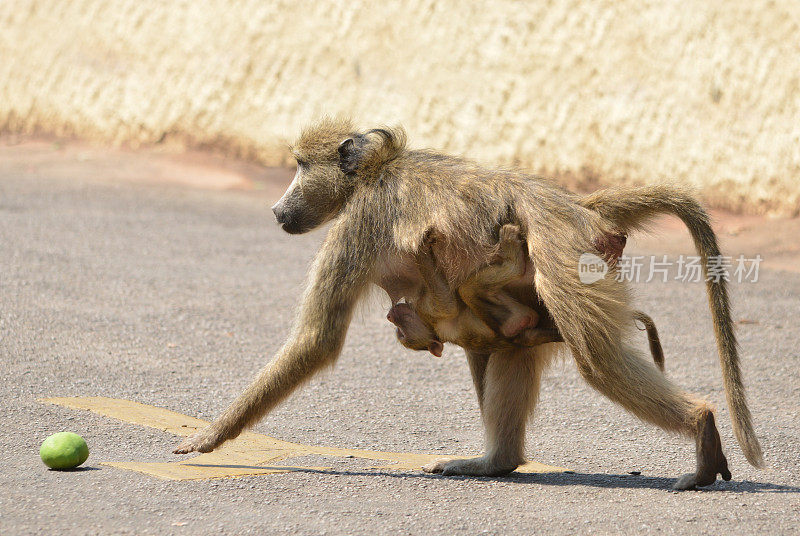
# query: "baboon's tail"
(630, 208)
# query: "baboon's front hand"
(203, 441)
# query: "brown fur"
(385, 200)
(483, 291)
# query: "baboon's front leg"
(477, 367)
(342, 272)
(297, 361)
(510, 390)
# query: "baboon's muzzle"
(288, 219)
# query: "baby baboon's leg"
(623, 376)
(518, 316)
(510, 390)
(537, 336)
(652, 338)
(497, 309)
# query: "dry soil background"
(704, 92)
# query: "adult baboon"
(382, 199)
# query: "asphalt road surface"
(175, 296)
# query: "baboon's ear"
(435, 347)
(348, 156)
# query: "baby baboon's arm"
(508, 265)
(483, 293)
(438, 297)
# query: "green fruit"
(64, 450)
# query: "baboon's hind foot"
(710, 458)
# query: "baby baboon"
(468, 321)
(382, 200)
(415, 334)
(483, 317)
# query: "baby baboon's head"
(412, 332)
(332, 161)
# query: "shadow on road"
(604, 480)
(596, 480)
(76, 469)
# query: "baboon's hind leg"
(510, 389)
(624, 377)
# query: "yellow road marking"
(248, 454)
